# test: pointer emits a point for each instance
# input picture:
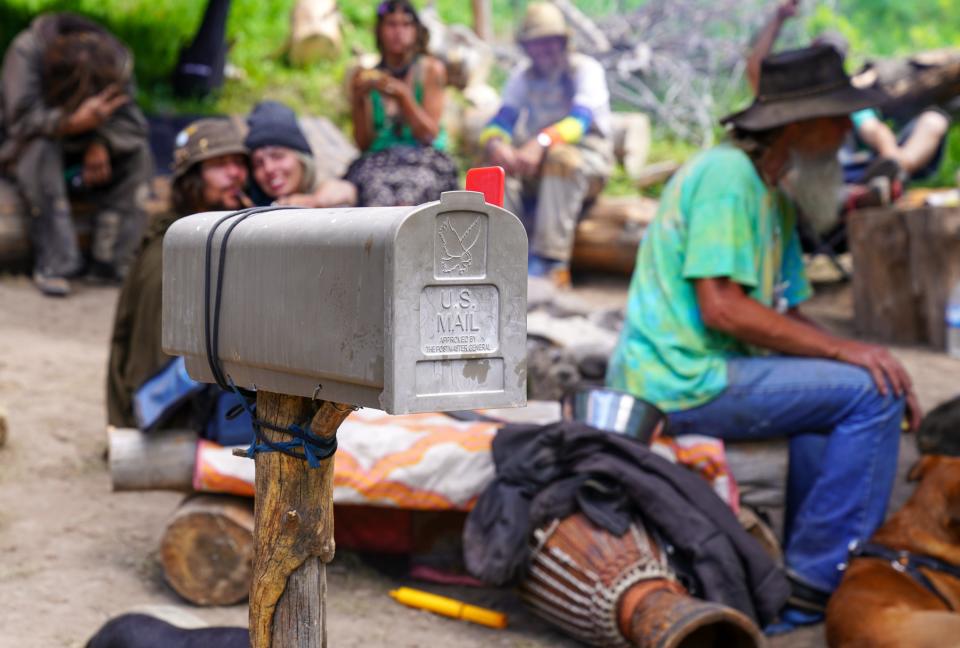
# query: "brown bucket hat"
(205, 139)
(803, 84)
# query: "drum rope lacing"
(590, 597)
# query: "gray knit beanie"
(274, 124)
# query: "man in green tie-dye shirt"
(713, 335)
(717, 219)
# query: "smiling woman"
(282, 162)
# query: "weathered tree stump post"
(906, 260)
(483, 19)
(293, 529)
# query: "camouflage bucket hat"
(205, 139)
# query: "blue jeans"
(844, 439)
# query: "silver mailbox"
(406, 309)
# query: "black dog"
(938, 431)
(144, 631)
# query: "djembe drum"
(610, 591)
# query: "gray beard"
(815, 185)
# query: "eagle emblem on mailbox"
(455, 255)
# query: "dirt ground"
(73, 554)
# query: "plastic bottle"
(953, 322)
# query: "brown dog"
(879, 605)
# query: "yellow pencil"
(449, 607)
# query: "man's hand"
(96, 165)
(94, 111)
(886, 371)
(529, 157)
(502, 154)
(725, 307)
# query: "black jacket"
(550, 472)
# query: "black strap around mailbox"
(314, 448)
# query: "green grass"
(662, 149)
(156, 30)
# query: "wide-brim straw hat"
(542, 20)
(803, 84)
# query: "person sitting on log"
(714, 336)
(874, 150)
(209, 174)
(552, 135)
(69, 128)
(396, 110)
(284, 171)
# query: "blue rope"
(314, 449)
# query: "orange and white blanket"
(429, 462)
(414, 461)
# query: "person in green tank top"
(396, 109)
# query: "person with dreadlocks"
(210, 170)
(396, 111)
(69, 128)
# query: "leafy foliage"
(258, 30)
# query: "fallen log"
(914, 83)
(207, 549)
(14, 241)
(314, 32)
(656, 173)
(161, 460)
(610, 233)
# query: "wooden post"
(483, 19)
(885, 307)
(293, 529)
(906, 260)
(934, 266)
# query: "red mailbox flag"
(488, 181)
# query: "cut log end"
(207, 550)
(162, 460)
